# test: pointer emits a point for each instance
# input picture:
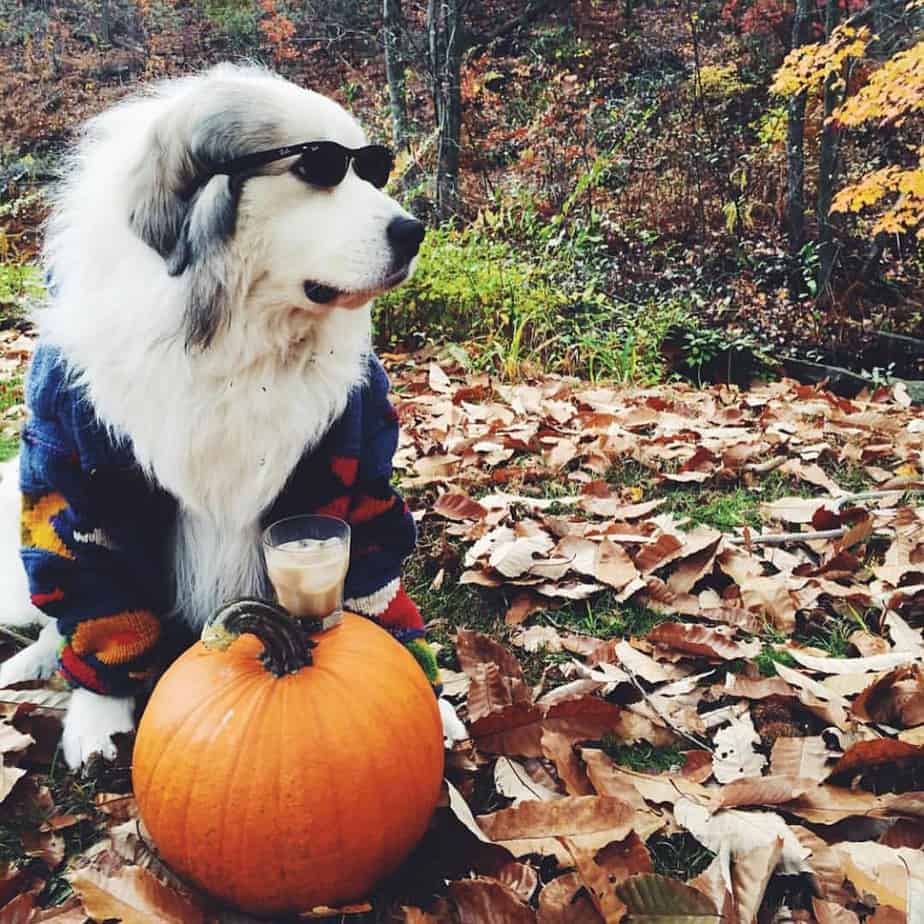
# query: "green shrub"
(236, 20)
(519, 308)
(20, 285)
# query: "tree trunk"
(394, 72)
(444, 28)
(105, 22)
(828, 167)
(795, 161)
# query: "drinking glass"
(307, 558)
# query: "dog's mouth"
(322, 294)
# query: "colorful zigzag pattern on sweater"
(96, 532)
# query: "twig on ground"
(700, 744)
(17, 637)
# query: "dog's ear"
(185, 144)
(188, 216)
(201, 251)
(165, 181)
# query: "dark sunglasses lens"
(374, 164)
(324, 164)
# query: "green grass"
(643, 757)
(72, 795)
(726, 509)
(604, 617)
(20, 284)
(453, 605)
(721, 510)
(831, 631)
(628, 473)
(679, 856)
(10, 393)
(535, 664)
(850, 476)
(769, 657)
(833, 637)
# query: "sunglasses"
(322, 163)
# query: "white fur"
(220, 427)
(16, 608)
(453, 728)
(35, 662)
(90, 723)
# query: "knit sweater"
(97, 533)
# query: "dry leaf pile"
(784, 771)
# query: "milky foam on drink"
(308, 575)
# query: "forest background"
(623, 190)
(641, 194)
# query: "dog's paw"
(453, 729)
(37, 662)
(90, 723)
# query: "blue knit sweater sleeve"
(383, 529)
(86, 514)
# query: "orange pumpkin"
(279, 777)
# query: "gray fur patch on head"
(183, 211)
(180, 160)
(201, 248)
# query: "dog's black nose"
(405, 236)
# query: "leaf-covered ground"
(684, 630)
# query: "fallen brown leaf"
(482, 899)
(566, 817)
(11, 739)
(882, 872)
(750, 875)
(597, 881)
(455, 506)
(800, 757)
(473, 648)
(613, 566)
(702, 641)
(659, 553)
(9, 776)
(632, 786)
(47, 846)
(512, 781)
(830, 913)
(882, 662)
(826, 866)
(653, 899)
(625, 858)
(895, 699)
(491, 691)
(564, 901)
(20, 910)
(886, 915)
(764, 790)
(520, 877)
(133, 896)
(865, 754)
(559, 749)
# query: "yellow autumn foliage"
(894, 91)
(807, 67)
(905, 214)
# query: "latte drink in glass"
(307, 558)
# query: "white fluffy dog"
(217, 322)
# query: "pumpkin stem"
(286, 645)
